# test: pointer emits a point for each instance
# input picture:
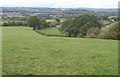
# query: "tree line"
(85, 26)
(89, 26)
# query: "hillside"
(59, 11)
(29, 53)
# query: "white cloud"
(62, 3)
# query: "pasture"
(26, 52)
(53, 20)
(51, 31)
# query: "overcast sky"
(61, 3)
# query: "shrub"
(5, 24)
(93, 32)
(34, 22)
(43, 24)
(52, 24)
(112, 32)
(13, 23)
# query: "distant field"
(112, 16)
(50, 31)
(63, 19)
(47, 20)
(50, 20)
(26, 52)
(53, 20)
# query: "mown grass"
(26, 52)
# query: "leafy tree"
(80, 25)
(104, 17)
(52, 24)
(66, 28)
(34, 22)
(43, 23)
(5, 24)
(58, 20)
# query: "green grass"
(50, 20)
(112, 24)
(50, 31)
(53, 20)
(26, 52)
(112, 17)
(63, 19)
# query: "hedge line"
(45, 34)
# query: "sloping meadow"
(26, 52)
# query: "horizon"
(61, 3)
(57, 7)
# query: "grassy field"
(112, 16)
(50, 31)
(63, 19)
(50, 20)
(26, 52)
(53, 20)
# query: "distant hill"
(74, 11)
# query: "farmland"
(50, 31)
(53, 20)
(26, 52)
